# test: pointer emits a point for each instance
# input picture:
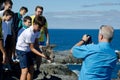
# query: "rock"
(48, 52)
(56, 72)
(62, 57)
(65, 57)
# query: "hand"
(5, 60)
(85, 37)
(48, 58)
(47, 43)
(49, 61)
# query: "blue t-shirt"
(98, 61)
(22, 29)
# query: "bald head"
(107, 32)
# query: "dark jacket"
(15, 23)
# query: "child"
(17, 20)
(7, 5)
(7, 15)
(44, 30)
(2, 51)
(16, 26)
(26, 24)
(25, 45)
(44, 35)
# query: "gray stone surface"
(55, 72)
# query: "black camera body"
(89, 41)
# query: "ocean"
(66, 38)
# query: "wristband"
(83, 41)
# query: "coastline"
(64, 67)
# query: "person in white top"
(25, 24)
(25, 48)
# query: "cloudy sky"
(75, 14)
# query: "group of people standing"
(20, 38)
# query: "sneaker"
(17, 60)
(13, 59)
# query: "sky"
(75, 14)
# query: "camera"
(89, 41)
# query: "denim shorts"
(26, 58)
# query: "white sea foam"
(76, 72)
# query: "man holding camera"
(100, 59)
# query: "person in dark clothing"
(17, 19)
(17, 25)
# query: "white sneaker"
(17, 60)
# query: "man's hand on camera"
(85, 37)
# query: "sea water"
(66, 38)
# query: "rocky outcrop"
(55, 72)
(58, 70)
(64, 57)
